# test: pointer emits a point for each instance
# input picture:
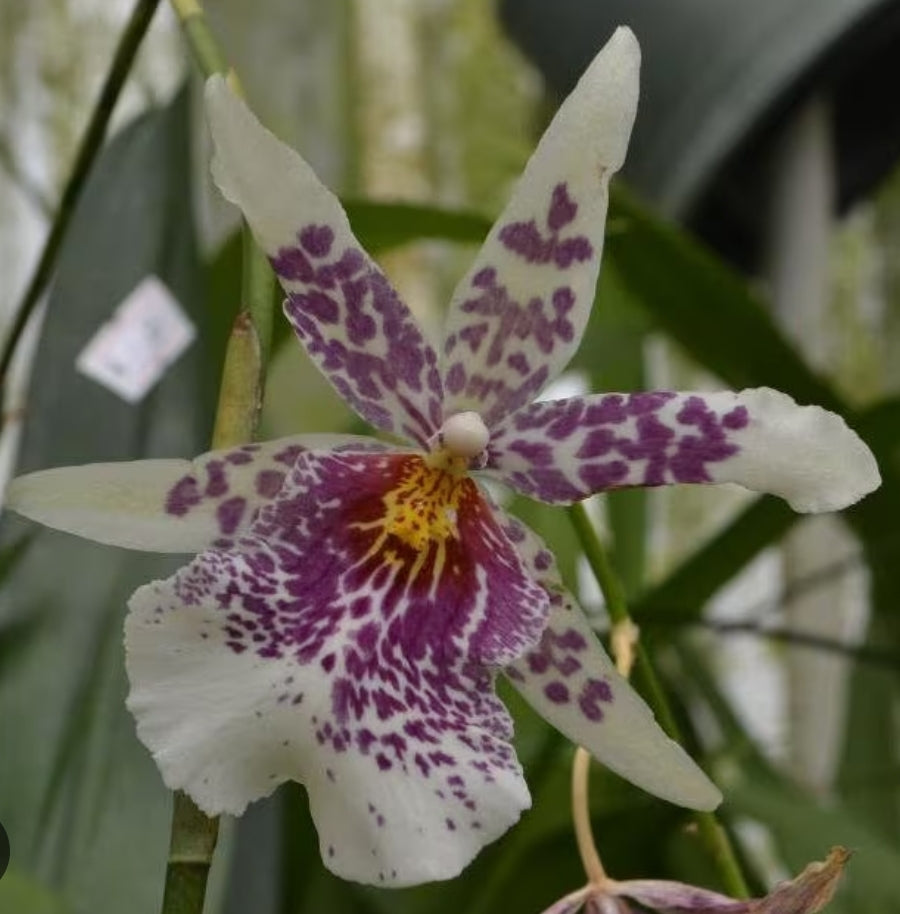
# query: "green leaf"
(21, 894)
(381, 226)
(83, 803)
(682, 595)
(804, 827)
(712, 312)
(705, 306)
(868, 781)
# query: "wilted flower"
(353, 601)
(806, 894)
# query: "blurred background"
(754, 239)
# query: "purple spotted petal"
(517, 317)
(564, 450)
(165, 505)
(571, 682)
(348, 641)
(344, 310)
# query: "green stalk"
(257, 281)
(199, 36)
(193, 838)
(714, 836)
(88, 150)
(257, 285)
(190, 855)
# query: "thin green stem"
(237, 416)
(617, 607)
(714, 836)
(193, 837)
(190, 857)
(88, 150)
(581, 817)
(258, 283)
(257, 279)
(199, 36)
(718, 845)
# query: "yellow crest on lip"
(422, 508)
(420, 515)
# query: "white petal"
(517, 317)
(571, 682)
(225, 728)
(340, 303)
(564, 450)
(805, 454)
(164, 505)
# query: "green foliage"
(88, 816)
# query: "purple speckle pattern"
(561, 451)
(537, 246)
(228, 487)
(561, 667)
(382, 654)
(359, 333)
(567, 676)
(514, 318)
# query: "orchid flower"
(806, 894)
(353, 601)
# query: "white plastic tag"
(145, 335)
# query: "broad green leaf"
(803, 826)
(683, 594)
(869, 774)
(381, 226)
(21, 894)
(83, 803)
(706, 306)
(711, 311)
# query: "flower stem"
(257, 279)
(190, 856)
(199, 36)
(617, 607)
(581, 819)
(713, 835)
(258, 283)
(88, 150)
(624, 640)
(194, 835)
